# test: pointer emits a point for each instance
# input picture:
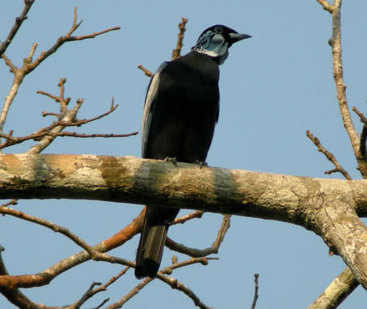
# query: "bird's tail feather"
(150, 250)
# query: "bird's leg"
(172, 160)
(201, 163)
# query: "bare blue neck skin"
(213, 45)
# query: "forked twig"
(29, 65)
(213, 249)
(93, 291)
(338, 168)
(172, 282)
(177, 51)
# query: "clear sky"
(273, 86)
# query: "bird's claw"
(172, 160)
(201, 163)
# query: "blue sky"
(274, 87)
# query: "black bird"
(180, 113)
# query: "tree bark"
(329, 207)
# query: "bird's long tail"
(150, 250)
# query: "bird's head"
(216, 40)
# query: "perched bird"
(180, 113)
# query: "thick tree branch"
(338, 290)
(326, 206)
(137, 181)
(345, 283)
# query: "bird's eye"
(217, 38)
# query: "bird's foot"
(172, 160)
(201, 163)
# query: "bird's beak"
(235, 37)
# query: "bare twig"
(170, 281)
(102, 303)
(145, 70)
(56, 228)
(335, 43)
(181, 26)
(10, 140)
(10, 64)
(329, 156)
(338, 290)
(51, 96)
(11, 203)
(18, 78)
(93, 291)
(360, 115)
(176, 52)
(93, 253)
(213, 249)
(338, 76)
(45, 276)
(18, 22)
(67, 38)
(190, 216)
(130, 294)
(256, 293)
(49, 130)
(45, 141)
(13, 295)
(66, 118)
(45, 114)
(81, 135)
(29, 65)
(326, 5)
(177, 285)
(363, 137)
(75, 122)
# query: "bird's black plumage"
(180, 113)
